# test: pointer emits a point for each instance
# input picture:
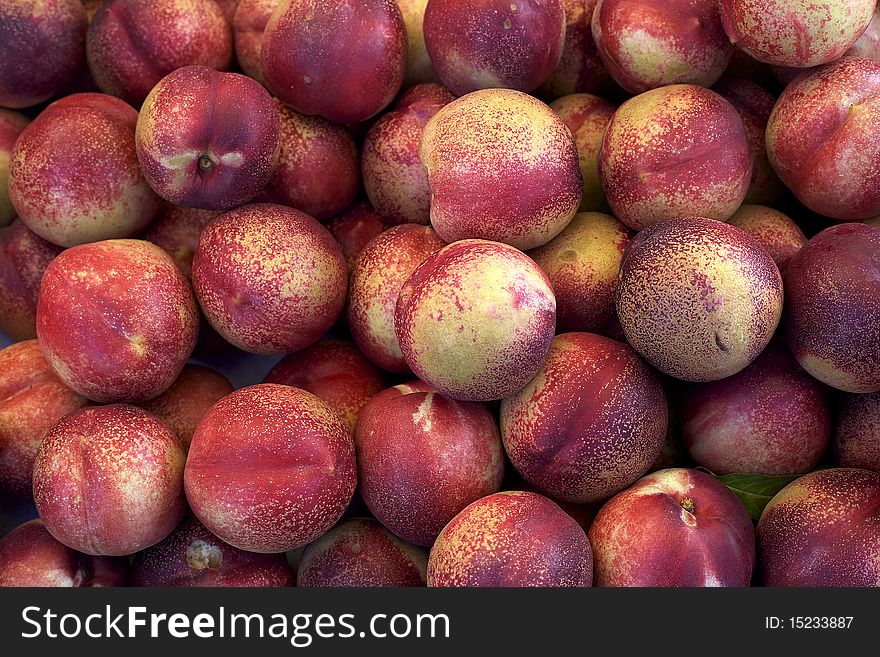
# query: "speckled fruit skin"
(587, 117)
(419, 68)
(582, 264)
(775, 232)
(378, 275)
(361, 553)
(589, 424)
(771, 418)
(856, 440)
(270, 468)
(185, 403)
(24, 256)
(228, 8)
(32, 400)
(318, 168)
(699, 299)
(795, 32)
(132, 44)
(511, 539)
(354, 228)
(74, 176)
(822, 142)
(867, 47)
(823, 529)
(11, 125)
(422, 458)
(177, 231)
(673, 152)
(29, 556)
(754, 104)
(476, 320)
(207, 139)
(383, 396)
(481, 44)
(652, 43)
(502, 166)
(193, 557)
(832, 297)
(42, 46)
(269, 278)
(116, 320)
(344, 60)
(335, 372)
(109, 480)
(675, 527)
(394, 178)
(248, 26)
(580, 68)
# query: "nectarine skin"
(502, 166)
(116, 320)
(40, 51)
(183, 405)
(318, 168)
(381, 270)
(698, 298)
(248, 27)
(344, 60)
(24, 256)
(476, 320)
(652, 43)
(354, 228)
(334, 371)
(108, 480)
(511, 539)
(11, 125)
(823, 529)
(589, 424)
(32, 400)
(856, 441)
(30, 556)
(582, 263)
(207, 139)
(832, 311)
(361, 553)
(820, 122)
(478, 44)
(177, 231)
(587, 117)
(193, 557)
(775, 232)
(675, 527)
(270, 468)
(754, 104)
(771, 418)
(394, 178)
(269, 278)
(823, 30)
(580, 68)
(422, 458)
(74, 176)
(133, 44)
(673, 152)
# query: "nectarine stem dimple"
(687, 504)
(205, 163)
(82, 577)
(201, 555)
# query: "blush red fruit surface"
(270, 468)
(675, 527)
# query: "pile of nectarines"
(439, 292)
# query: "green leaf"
(755, 490)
